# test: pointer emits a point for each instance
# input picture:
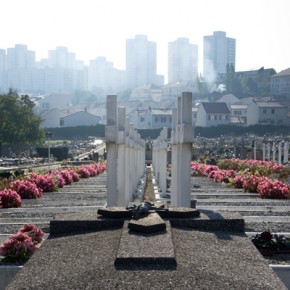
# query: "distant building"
(81, 118)
(141, 62)
(182, 60)
(151, 118)
(161, 118)
(212, 114)
(50, 119)
(280, 83)
(218, 51)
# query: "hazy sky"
(92, 28)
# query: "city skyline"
(91, 29)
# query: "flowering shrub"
(250, 183)
(9, 198)
(83, 172)
(19, 247)
(75, 176)
(257, 167)
(58, 178)
(268, 188)
(67, 177)
(26, 189)
(44, 182)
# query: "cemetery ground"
(88, 195)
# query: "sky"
(92, 28)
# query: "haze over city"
(100, 28)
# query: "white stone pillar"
(184, 151)
(128, 192)
(269, 152)
(280, 153)
(286, 152)
(122, 199)
(255, 150)
(274, 152)
(111, 138)
(174, 158)
(264, 151)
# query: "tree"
(18, 122)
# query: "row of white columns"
(125, 156)
(159, 159)
(270, 150)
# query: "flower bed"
(248, 174)
(19, 247)
(33, 185)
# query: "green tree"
(18, 122)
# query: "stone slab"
(212, 221)
(205, 260)
(115, 212)
(145, 249)
(178, 212)
(148, 224)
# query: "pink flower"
(9, 198)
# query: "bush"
(26, 189)
(19, 247)
(9, 198)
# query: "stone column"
(255, 150)
(264, 151)
(286, 152)
(280, 153)
(184, 151)
(174, 158)
(274, 152)
(111, 139)
(121, 162)
(269, 152)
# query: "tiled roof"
(285, 72)
(216, 108)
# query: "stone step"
(245, 200)
(52, 209)
(267, 219)
(243, 208)
(231, 195)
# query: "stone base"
(149, 224)
(146, 250)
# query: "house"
(141, 118)
(251, 111)
(161, 118)
(81, 118)
(280, 83)
(239, 114)
(50, 119)
(271, 112)
(48, 102)
(212, 114)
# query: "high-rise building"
(2, 59)
(141, 61)
(182, 60)
(19, 57)
(218, 51)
